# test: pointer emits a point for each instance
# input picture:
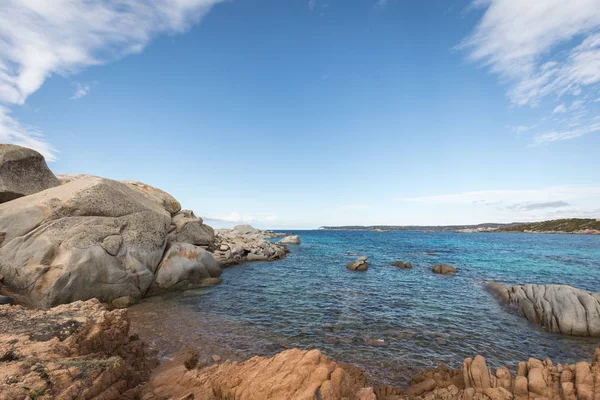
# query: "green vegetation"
(558, 225)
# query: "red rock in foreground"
(74, 351)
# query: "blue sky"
(304, 113)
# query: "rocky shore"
(84, 351)
(77, 237)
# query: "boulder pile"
(80, 237)
(245, 243)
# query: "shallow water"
(310, 300)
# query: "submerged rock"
(359, 265)
(557, 308)
(292, 239)
(402, 264)
(443, 269)
(23, 172)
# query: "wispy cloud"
(312, 4)
(539, 206)
(42, 38)
(520, 205)
(545, 51)
(559, 109)
(381, 3)
(81, 90)
(12, 131)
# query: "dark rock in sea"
(6, 300)
(402, 264)
(360, 264)
(375, 342)
(444, 269)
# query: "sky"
(302, 113)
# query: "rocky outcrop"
(402, 264)
(23, 172)
(443, 269)
(244, 243)
(74, 351)
(97, 238)
(534, 379)
(557, 308)
(291, 375)
(292, 239)
(359, 265)
(91, 237)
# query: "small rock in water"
(402, 264)
(6, 300)
(444, 269)
(216, 358)
(360, 264)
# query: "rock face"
(291, 375)
(245, 243)
(23, 172)
(402, 264)
(98, 238)
(557, 308)
(359, 265)
(292, 239)
(74, 351)
(184, 266)
(444, 269)
(187, 228)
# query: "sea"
(391, 322)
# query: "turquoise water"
(310, 300)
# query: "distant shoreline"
(576, 226)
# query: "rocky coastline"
(75, 250)
(84, 351)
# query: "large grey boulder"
(161, 197)
(91, 237)
(184, 266)
(292, 239)
(557, 308)
(187, 228)
(245, 230)
(23, 171)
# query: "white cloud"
(381, 3)
(234, 217)
(312, 4)
(11, 131)
(518, 205)
(40, 38)
(543, 50)
(81, 90)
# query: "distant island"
(571, 225)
